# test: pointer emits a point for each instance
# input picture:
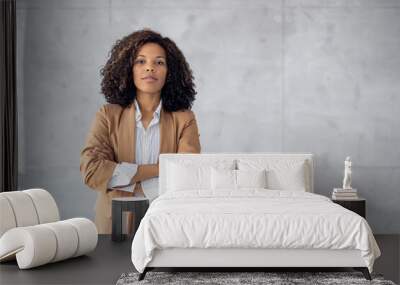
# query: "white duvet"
(251, 218)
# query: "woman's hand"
(116, 189)
(122, 190)
(145, 171)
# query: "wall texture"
(277, 76)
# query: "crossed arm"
(143, 172)
(97, 160)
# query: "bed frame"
(240, 259)
(244, 259)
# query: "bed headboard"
(165, 158)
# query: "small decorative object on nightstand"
(347, 196)
(347, 173)
(346, 192)
(137, 205)
(357, 205)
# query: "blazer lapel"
(167, 133)
(127, 135)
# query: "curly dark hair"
(178, 92)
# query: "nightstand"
(137, 205)
(357, 205)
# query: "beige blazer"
(114, 131)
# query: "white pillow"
(223, 179)
(236, 179)
(182, 178)
(282, 174)
(251, 178)
(189, 175)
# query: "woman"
(149, 87)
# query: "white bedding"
(250, 218)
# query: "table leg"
(116, 221)
(137, 213)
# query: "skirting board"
(233, 257)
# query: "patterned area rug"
(228, 278)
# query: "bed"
(247, 210)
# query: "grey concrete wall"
(276, 76)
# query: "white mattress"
(251, 218)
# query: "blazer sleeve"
(189, 140)
(95, 171)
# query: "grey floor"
(102, 266)
(111, 259)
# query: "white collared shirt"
(146, 152)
